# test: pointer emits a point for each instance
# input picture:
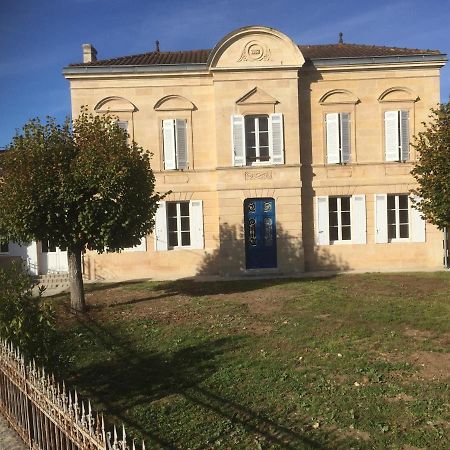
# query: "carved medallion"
(255, 51)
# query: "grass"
(354, 361)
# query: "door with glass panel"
(260, 233)
(53, 259)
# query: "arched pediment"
(339, 96)
(114, 104)
(174, 103)
(398, 94)
(255, 47)
(256, 97)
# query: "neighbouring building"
(280, 158)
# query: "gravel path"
(9, 440)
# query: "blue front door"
(260, 233)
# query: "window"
(397, 220)
(175, 144)
(4, 247)
(396, 135)
(338, 138)
(123, 125)
(257, 139)
(398, 216)
(178, 228)
(179, 224)
(341, 219)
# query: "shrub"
(26, 320)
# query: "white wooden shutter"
(404, 135)
(276, 138)
(381, 230)
(332, 121)
(196, 223)
(417, 226)
(345, 137)
(391, 140)
(160, 231)
(238, 140)
(181, 143)
(169, 144)
(359, 219)
(322, 221)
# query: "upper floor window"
(123, 125)
(175, 144)
(257, 139)
(396, 135)
(338, 138)
(4, 247)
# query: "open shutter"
(345, 137)
(323, 233)
(161, 227)
(169, 144)
(381, 231)
(404, 135)
(391, 140)
(238, 140)
(276, 138)
(181, 146)
(417, 224)
(359, 219)
(196, 223)
(332, 138)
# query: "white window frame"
(339, 240)
(256, 118)
(339, 136)
(397, 218)
(179, 232)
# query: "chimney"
(89, 53)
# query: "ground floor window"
(398, 216)
(339, 214)
(179, 224)
(4, 247)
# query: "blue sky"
(40, 37)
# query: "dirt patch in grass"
(433, 365)
(420, 335)
(402, 397)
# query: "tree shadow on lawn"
(133, 377)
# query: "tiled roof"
(309, 52)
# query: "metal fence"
(45, 414)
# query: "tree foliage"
(432, 170)
(80, 185)
(26, 320)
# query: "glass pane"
(345, 217)
(185, 239)
(263, 139)
(345, 203)
(173, 239)
(391, 216)
(4, 247)
(332, 204)
(403, 216)
(391, 201)
(333, 218)
(264, 154)
(404, 231)
(403, 201)
(333, 234)
(346, 234)
(251, 154)
(184, 208)
(391, 232)
(171, 209)
(51, 247)
(172, 224)
(263, 123)
(185, 224)
(249, 123)
(250, 140)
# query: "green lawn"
(353, 361)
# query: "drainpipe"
(445, 245)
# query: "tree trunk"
(76, 280)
